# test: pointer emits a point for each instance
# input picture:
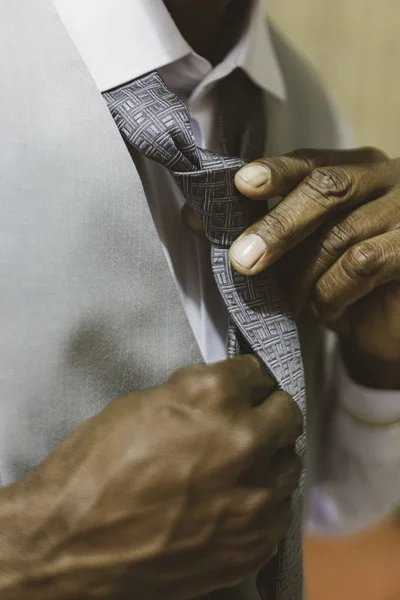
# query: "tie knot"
(155, 122)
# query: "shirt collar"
(120, 40)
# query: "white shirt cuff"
(360, 476)
(374, 430)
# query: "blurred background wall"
(355, 47)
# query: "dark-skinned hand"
(336, 235)
(168, 493)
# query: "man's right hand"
(169, 492)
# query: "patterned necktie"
(153, 121)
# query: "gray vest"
(88, 307)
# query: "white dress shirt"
(120, 40)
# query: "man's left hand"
(337, 233)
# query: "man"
(182, 488)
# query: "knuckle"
(362, 260)
(244, 441)
(248, 363)
(209, 381)
(258, 501)
(277, 225)
(294, 414)
(261, 500)
(285, 400)
(248, 371)
(298, 161)
(199, 381)
(339, 236)
(170, 411)
(326, 184)
(324, 294)
(186, 374)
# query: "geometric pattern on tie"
(155, 122)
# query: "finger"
(359, 270)
(278, 175)
(278, 422)
(246, 378)
(278, 522)
(248, 507)
(327, 192)
(264, 533)
(322, 250)
(285, 473)
(279, 476)
(240, 382)
(237, 554)
(253, 520)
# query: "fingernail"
(255, 175)
(248, 250)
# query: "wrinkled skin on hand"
(169, 492)
(336, 235)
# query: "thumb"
(278, 175)
(275, 176)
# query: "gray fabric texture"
(156, 122)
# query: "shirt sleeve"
(359, 478)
